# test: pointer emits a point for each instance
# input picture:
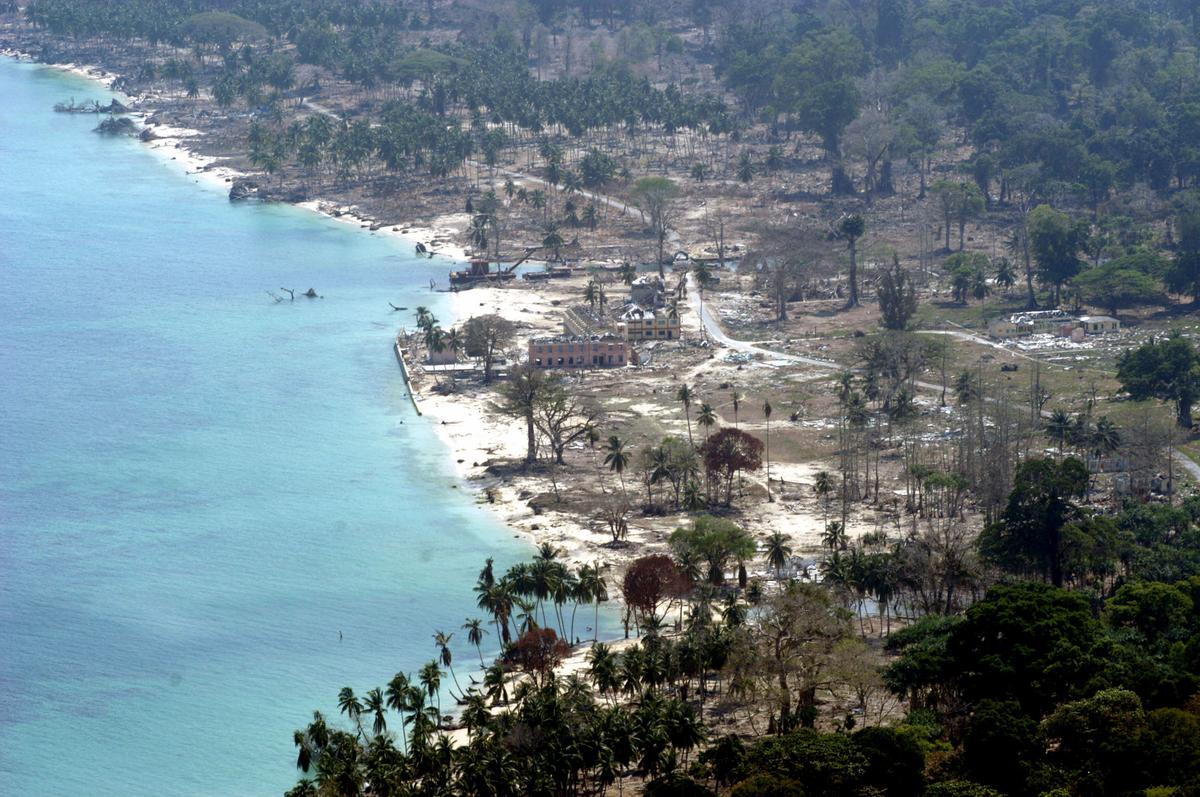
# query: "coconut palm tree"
(628, 272)
(823, 486)
(778, 552)
(707, 418)
(686, 396)
(553, 240)
(442, 640)
(736, 398)
(475, 634)
(349, 705)
(399, 690)
(617, 459)
(373, 704)
(834, 537)
(602, 668)
(767, 451)
(591, 293)
(495, 683)
(593, 583)
(1058, 427)
(1106, 438)
(430, 678)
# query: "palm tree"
(778, 552)
(707, 418)
(1106, 439)
(686, 396)
(430, 677)
(553, 240)
(1006, 277)
(628, 272)
(823, 486)
(399, 690)
(537, 198)
(495, 683)
(373, 704)
(454, 343)
(602, 668)
(349, 705)
(617, 459)
(442, 640)
(593, 584)
(1058, 427)
(475, 634)
(736, 397)
(850, 229)
(767, 452)
(834, 538)
(591, 293)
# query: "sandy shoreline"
(474, 435)
(169, 144)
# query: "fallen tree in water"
(90, 106)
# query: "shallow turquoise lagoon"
(200, 490)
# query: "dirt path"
(712, 328)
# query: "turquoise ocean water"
(199, 488)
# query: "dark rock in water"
(244, 189)
(115, 107)
(114, 126)
(310, 293)
(147, 134)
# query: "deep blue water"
(200, 488)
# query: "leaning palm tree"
(778, 552)
(442, 640)
(475, 634)
(349, 705)
(707, 418)
(686, 396)
(617, 459)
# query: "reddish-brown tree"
(538, 652)
(649, 581)
(729, 452)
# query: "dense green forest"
(1030, 689)
(1086, 112)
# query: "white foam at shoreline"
(169, 144)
